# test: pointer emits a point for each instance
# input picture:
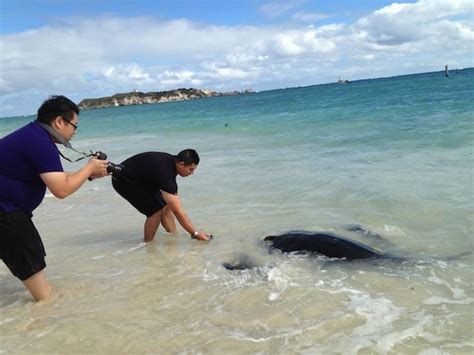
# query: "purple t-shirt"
(24, 155)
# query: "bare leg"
(167, 220)
(151, 226)
(38, 286)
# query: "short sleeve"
(42, 154)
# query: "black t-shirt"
(152, 170)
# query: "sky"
(95, 48)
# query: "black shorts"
(21, 248)
(147, 202)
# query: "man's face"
(68, 128)
(185, 170)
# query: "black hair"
(188, 157)
(57, 106)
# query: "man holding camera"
(148, 182)
(29, 162)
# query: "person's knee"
(166, 211)
(151, 225)
(168, 220)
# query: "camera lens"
(114, 168)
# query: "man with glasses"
(29, 162)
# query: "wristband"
(194, 235)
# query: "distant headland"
(140, 98)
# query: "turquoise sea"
(393, 155)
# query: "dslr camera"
(111, 167)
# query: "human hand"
(98, 167)
(201, 236)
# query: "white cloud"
(401, 23)
(178, 78)
(102, 56)
(131, 73)
(286, 45)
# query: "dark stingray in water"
(327, 244)
(320, 243)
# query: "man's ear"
(57, 123)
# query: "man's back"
(152, 170)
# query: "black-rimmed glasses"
(72, 124)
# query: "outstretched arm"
(62, 184)
(174, 204)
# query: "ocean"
(392, 155)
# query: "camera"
(111, 167)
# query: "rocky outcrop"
(140, 98)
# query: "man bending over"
(148, 182)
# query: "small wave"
(393, 231)
(378, 315)
(122, 252)
(97, 257)
(435, 300)
(6, 321)
(455, 291)
(378, 312)
(280, 283)
(267, 275)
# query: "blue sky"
(21, 15)
(87, 48)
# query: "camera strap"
(60, 139)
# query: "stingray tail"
(458, 256)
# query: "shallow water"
(393, 155)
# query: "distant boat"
(343, 81)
